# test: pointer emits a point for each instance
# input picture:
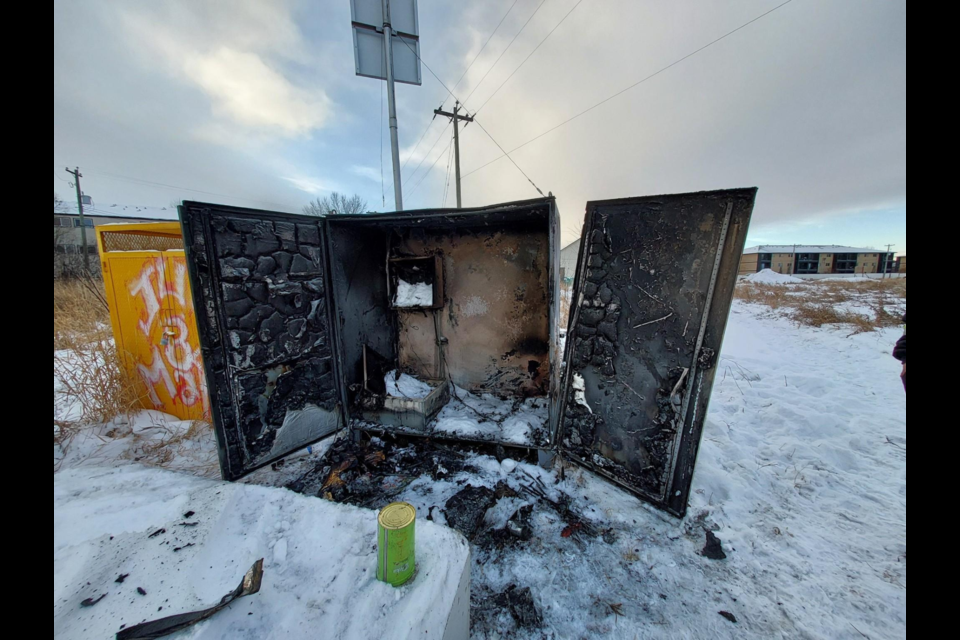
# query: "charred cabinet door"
(653, 290)
(260, 287)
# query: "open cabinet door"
(260, 286)
(654, 285)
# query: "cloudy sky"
(256, 103)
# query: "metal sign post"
(392, 105)
(386, 45)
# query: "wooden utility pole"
(83, 223)
(456, 117)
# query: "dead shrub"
(818, 315)
(92, 385)
(566, 299)
(820, 303)
(80, 312)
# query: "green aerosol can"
(396, 544)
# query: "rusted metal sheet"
(651, 298)
(260, 289)
(495, 316)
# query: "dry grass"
(819, 303)
(566, 299)
(94, 387)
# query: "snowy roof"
(808, 248)
(120, 211)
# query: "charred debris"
(371, 473)
(376, 470)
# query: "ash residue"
(466, 510)
(372, 472)
(515, 608)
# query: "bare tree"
(336, 203)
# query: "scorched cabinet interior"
(300, 317)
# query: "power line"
(539, 6)
(620, 93)
(511, 160)
(483, 48)
(430, 124)
(427, 173)
(433, 73)
(177, 188)
(530, 55)
(425, 156)
(412, 153)
(446, 186)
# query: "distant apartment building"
(819, 259)
(568, 260)
(68, 235)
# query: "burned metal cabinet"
(260, 286)
(293, 309)
(651, 298)
(491, 326)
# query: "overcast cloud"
(255, 103)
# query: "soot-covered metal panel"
(358, 263)
(260, 289)
(653, 290)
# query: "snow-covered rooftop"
(120, 211)
(808, 248)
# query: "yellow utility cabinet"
(151, 309)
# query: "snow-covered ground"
(185, 542)
(485, 417)
(769, 276)
(802, 475)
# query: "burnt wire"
(453, 390)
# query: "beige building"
(819, 259)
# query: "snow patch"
(321, 573)
(580, 392)
(406, 386)
(769, 276)
(413, 295)
(486, 417)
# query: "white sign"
(368, 40)
(403, 15)
(371, 57)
